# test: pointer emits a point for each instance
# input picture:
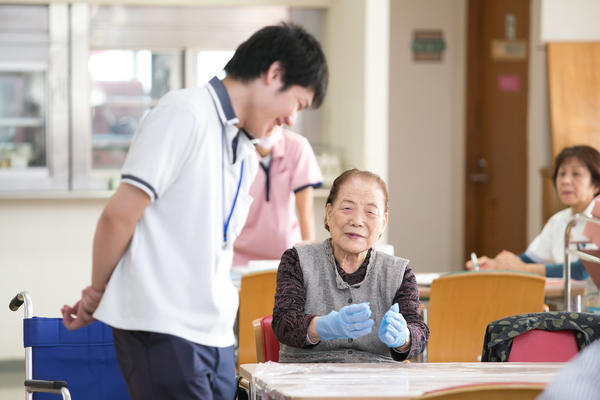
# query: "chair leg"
(242, 388)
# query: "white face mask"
(269, 141)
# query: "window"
(34, 127)
(125, 85)
(125, 58)
(210, 63)
(76, 80)
(22, 119)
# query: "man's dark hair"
(298, 52)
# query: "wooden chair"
(462, 304)
(257, 296)
(488, 391)
(267, 346)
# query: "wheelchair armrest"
(39, 384)
(56, 387)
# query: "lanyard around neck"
(227, 219)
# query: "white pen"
(474, 260)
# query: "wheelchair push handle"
(16, 302)
(20, 299)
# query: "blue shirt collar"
(223, 102)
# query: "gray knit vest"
(326, 291)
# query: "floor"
(12, 375)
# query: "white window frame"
(55, 175)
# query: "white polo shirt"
(549, 246)
(170, 280)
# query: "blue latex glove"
(350, 322)
(393, 330)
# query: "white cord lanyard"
(227, 218)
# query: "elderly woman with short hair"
(576, 179)
(341, 300)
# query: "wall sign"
(509, 50)
(428, 45)
(509, 83)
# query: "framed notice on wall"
(428, 45)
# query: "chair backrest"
(544, 346)
(267, 345)
(257, 297)
(488, 391)
(85, 358)
(462, 304)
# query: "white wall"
(356, 112)
(376, 102)
(539, 151)
(426, 137)
(46, 249)
(572, 20)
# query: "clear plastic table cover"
(380, 380)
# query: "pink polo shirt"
(272, 225)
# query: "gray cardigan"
(326, 291)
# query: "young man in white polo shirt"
(163, 244)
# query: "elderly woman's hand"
(508, 260)
(393, 330)
(350, 322)
(483, 262)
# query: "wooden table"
(555, 288)
(383, 380)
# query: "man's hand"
(80, 314)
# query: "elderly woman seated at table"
(341, 300)
(576, 179)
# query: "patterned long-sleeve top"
(290, 322)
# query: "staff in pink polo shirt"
(282, 213)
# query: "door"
(496, 140)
